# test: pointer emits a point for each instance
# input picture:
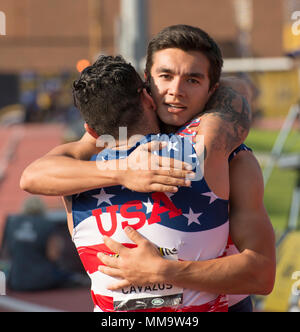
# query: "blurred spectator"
(48, 98)
(34, 249)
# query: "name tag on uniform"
(149, 296)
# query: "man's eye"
(193, 81)
(166, 76)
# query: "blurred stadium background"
(47, 43)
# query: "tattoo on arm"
(233, 108)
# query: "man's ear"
(148, 99)
(147, 83)
(90, 130)
(213, 89)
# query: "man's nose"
(176, 88)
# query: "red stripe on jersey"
(105, 303)
(229, 241)
(88, 255)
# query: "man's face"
(179, 84)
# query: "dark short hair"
(187, 38)
(108, 95)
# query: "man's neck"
(168, 129)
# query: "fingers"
(112, 272)
(163, 188)
(153, 146)
(166, 180)
(134, 235)
(174, 163)
(173, 173)
(118, 284)
(170, 180)
(113, 245)
(111, 261)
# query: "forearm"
(63, 176)
(60, 173)
(237, 274)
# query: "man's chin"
(173, 120)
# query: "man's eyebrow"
(199, 75)
(164, 70)
(170, 71)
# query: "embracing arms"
(67, 170)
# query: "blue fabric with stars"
(200, 208)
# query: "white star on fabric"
(211, 195)
(172, 146)
(149, 206)
(193, 217)
(103, 197)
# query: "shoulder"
(244, 159)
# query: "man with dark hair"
(119, 107)
(180, 78)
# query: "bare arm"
(253, 270)
(250, 226)
(66, 170)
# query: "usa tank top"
(191, 224)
